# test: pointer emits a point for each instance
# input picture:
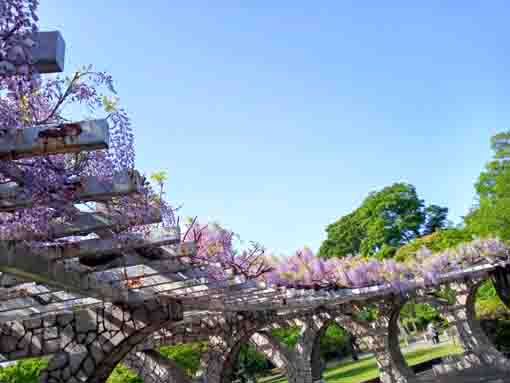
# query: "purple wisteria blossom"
(28, 100)
(304, 270)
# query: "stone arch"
(219, 361)
(95, 340)
(381, 337)
(392, 339)
(225, 334)
(153, 367)
(473, 338)
(315, 358)
(295, 361)
(478, 349)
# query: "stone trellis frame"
(302, 363)
(380, 336)
(478, 349)
(75, 349)
(225, 336)
(460, 313)
(90, 313)
(94, 341)
(297, 362)
(153, 367)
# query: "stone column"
(217, 364)
(308, 347)
(94, 341)
(295, 362)
(153, 367)
(478, 348)
(381, 337)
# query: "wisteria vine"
(304, 270)
(28, 100)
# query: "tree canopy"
(438, 241)
(491, 214)
(386, 220)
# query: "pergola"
(100, 300)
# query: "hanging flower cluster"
(216, 252)
(26, 100)
(304, 270)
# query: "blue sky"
(275, 120)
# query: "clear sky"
(276, 118)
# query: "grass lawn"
(355, 372)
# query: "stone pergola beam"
(93, 249)
(84, 223)
(48, 52)
(36, 311)
(56, 139)
(88, 189)
(68, 275)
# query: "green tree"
(437, 241)
(436, 219)
(491, 214)
(386, 220)
(344, 236)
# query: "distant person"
(353, 346)
(432, 333)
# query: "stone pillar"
(303, 364)
(94, 341)
(295, 362)
(153, 367)
(217, 364)
(478, 348)
(308, 348)
(389, 358)
(381, 337)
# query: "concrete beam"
(85, 223)
(88, 189)
(48, 53)
(70, 275)
(94, 248)
(63, 138)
